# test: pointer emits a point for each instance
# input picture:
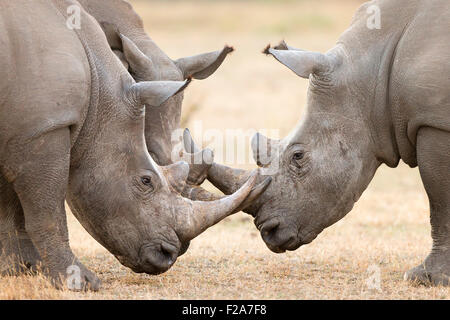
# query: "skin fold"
(379, 96)
(72, 128)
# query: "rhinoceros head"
(126, 200)
(321, 168)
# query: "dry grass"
(388, 227)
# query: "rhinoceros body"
(72, 127)
(381, 95)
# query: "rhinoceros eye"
(147, 181)
(297, 158)
(298, 155)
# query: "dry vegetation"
(388, 227)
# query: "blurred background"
(388, 229)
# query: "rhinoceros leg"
(17, 252)
(433, 155)
(42, 172)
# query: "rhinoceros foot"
(76, 277)
(434, 271)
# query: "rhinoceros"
(380, 95)
(72, 127)
(145, 61)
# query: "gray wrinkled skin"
(72, 127)
(377, 97)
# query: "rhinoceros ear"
(284, 46)
(303, 63)
(140, 66)
(203, 65)
(155, 93)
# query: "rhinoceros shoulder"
(45, 77)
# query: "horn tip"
(229, 49)
(266, 50)
(123, 37)
(266, 182)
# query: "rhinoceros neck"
(108, 109)
(370, 53)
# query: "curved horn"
(205, 214)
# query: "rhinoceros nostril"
(270, 227)
(158, 258)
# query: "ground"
(387, 232)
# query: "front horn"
(204, 214)
(228, 180)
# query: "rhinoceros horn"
(200, 215)
(205, 214)
(227, 179)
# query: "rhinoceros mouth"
(280, 237)
(138, 268)
(126, 262)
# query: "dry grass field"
(389, 226)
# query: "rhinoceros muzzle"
(156, 259)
